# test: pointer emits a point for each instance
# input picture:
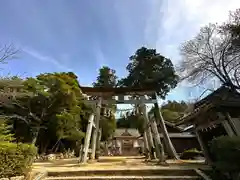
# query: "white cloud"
(34, 53)
(181, 21)
(178, 21)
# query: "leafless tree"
(7, 52)
(207, 57)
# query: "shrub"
(191, 154)
(226, 151)
(15, 159)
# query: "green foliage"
(132, 121)
(5, 132)
(108, 125)
(147, 68)
(66, 127)
(191, 154)
(172, 110)
(15, 159)
(107, 78)
(226, 151)
(52, 109)
(175, 106)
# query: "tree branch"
(7, 52)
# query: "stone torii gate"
(152, 142)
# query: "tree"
(172, 110)
(147, 68)
(52, 107)
(108, 126)
(131, 120)
(232, 26)
(211, 56)
(5, 131)
(107, 122)
(7, 52)
(106, 78)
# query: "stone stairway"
(131, 174)
(118, 168)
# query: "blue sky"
(83, 35)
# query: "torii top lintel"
(99, 91)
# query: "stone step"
(125, 177)
(125, 172)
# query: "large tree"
(107, 79)
(232, 26)
(150, 69)
(131, 120)
(213, 55)
(51, 110)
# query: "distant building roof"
(126, 132)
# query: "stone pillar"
(87, 139)
(120, 148)
(98, 148)
(148, 131)
(146, 147)
(96, 130)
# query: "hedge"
(191, 154)
(16, 159)
(227, 153)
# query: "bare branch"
(206, 57)
(7, 52)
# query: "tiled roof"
(221, 97)
(126, 132)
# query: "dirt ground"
(115, 162)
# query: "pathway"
(119, 168)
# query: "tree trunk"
(54, 146)
(57, 146)
(44, 147)
(35, 136)
(158, 117)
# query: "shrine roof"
(222, 97)
(221, 94)
(126, 132)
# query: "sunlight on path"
(113, 163)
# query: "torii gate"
(151, 137)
